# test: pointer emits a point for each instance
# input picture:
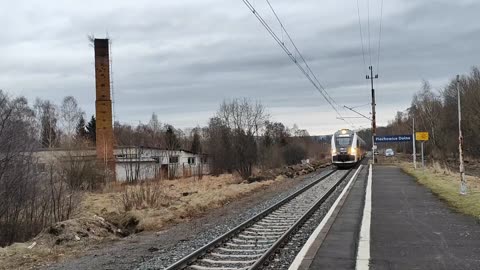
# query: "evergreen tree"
(196, 145)
(92, 129)
(171, 139)
(81, 130)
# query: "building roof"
(116, 148)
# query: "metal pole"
(373, 149)
(423, 161)
(463, 183)
(374, 124)
(413, 142)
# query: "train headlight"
(334, 152)
(352, 150)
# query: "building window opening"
(173, 160)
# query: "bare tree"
(130, 160)
(29, 197)
(243, 114)
(47, 118)
(70, 115)
(437, 113)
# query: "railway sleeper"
(253, 241)
(200, 267)
(270, 225)
(263, 233)
(213, 263)
(289, 214)
(222, 255)
(228, 261)
(279, 218)
(263, 229)
(245, 247)
(275, 223)
(282, 214)
(278, 221)
(258, 236)
(244, 251)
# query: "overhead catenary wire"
(379, 37)
(305, 70)
(368, 29)
(361, 34)
(361, 30)
(363, 105)
(299, 53)
(293, 43)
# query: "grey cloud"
(181, 59)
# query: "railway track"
(254, 242)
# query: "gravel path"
(158, 250)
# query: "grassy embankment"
(155, 206)
(158, 204)
(445, 184)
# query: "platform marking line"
(363, 252)
(303, 252)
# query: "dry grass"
(19, 256)
(445, 184)
(160, 203)
(156, 204)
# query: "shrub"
(294, 153)
(145, 194)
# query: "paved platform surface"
(410, 228)
(338, 249)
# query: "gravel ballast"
(151, 250)
(285, 256)
(184, 248)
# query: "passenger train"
(347, 148)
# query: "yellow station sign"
(421, 136)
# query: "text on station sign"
(393, 138)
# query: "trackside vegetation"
(445, 184)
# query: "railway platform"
(389, 221)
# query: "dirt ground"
(129, 252)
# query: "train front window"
(343, 142)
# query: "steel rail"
(268, 255)
(185, 261)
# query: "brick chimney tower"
(103, 105)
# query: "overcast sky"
(180, 59)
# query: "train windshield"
(343, 142)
